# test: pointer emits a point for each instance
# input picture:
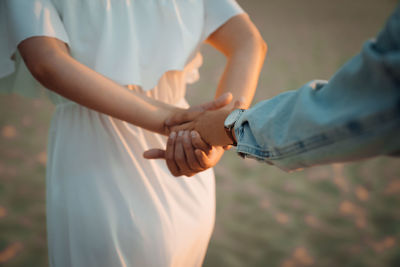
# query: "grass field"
(335, 215)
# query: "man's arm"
(355, 115)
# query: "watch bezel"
(232, 118)
(230, 122)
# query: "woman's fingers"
(197, 142)
(154, 153)
(189, 152)
(180, 157)
(186, 154)
(202, 158)
(170, 155)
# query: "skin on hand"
(210, 126)
(187, 153)
(180, 156)
(187, 115)
(239, 40)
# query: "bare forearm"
(242, 71)
(245, 50)
(73, 80)
(86, 87)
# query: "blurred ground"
(337, 215)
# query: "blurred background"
(335, 215)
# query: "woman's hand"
(239, 40)
(187, 154)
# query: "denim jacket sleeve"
(353, 116)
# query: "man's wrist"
(229, 124)
(234, 135)
(228, 141)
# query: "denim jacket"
(353, 116)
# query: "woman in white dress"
(116, 70)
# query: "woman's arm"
(50, 63)
(245, 50)
(239, 40)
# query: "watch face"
(232, 118)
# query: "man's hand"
(210, 125)
(187, 153)
(186, 115)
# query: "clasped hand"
(197, 138)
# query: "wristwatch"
(230, 121)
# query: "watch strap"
(230, 135)
(230, 122)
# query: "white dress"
(107, 205)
